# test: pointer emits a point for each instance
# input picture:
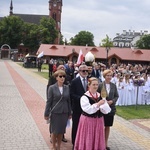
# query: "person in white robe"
(120, 88)
(146, 91)
(128, 91)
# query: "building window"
(54, 16)
(27, 51)
(20, 50)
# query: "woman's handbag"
(48, 121)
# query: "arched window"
(54, 16)
(113, 61)
(27, 51)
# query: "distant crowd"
(124, 76)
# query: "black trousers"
(75, 122)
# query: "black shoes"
(107, 148)
(64, 139)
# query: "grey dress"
(112, 95)
(60, 114)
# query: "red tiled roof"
(98, 52)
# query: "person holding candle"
(90, 133)
(111, 97)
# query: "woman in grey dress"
(111, 97)
(58, 105)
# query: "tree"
(66, 42)
(47, 30)
(11, 31)
(107, 42)
(34, 35)
(30, 36)
(61, 40)
(144, 42)
(83, 38)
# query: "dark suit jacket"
(97, 74)
(76, 91)
(54, 95)
(113, 95)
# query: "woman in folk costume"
(128, 91)
(120, 88)
(90, 133)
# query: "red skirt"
(90, 134)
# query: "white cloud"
(100, 17)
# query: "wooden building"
(115, 55)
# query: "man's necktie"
(84, 84)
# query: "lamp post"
(107, 51)
(107, 44)
(73, 57)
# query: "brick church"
(55, 10)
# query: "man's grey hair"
(82, 66)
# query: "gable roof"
(98, 52)
(30, 18)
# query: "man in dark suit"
(96, 71)
(40, 62)
(77, 88)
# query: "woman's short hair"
(92, 79)
(59, 72)
(107, 71)
(61, 67)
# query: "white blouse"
(61, 89)
(108, 88)
(86, 106)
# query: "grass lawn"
(45, 66)
(130, 112)
(43, 74)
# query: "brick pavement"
(22, 127)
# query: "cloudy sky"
(100, 17)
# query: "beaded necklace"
(95, 98)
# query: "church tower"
(11, 8)
(55, 9)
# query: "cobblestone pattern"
(18, 130)
(22, 126)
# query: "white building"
(128, 38)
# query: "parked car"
(30, 61)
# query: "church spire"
(11, 8)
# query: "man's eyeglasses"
(84, 70)
(62, 76)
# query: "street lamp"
(74, 59)
(107, 51)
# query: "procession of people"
(125, 84)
